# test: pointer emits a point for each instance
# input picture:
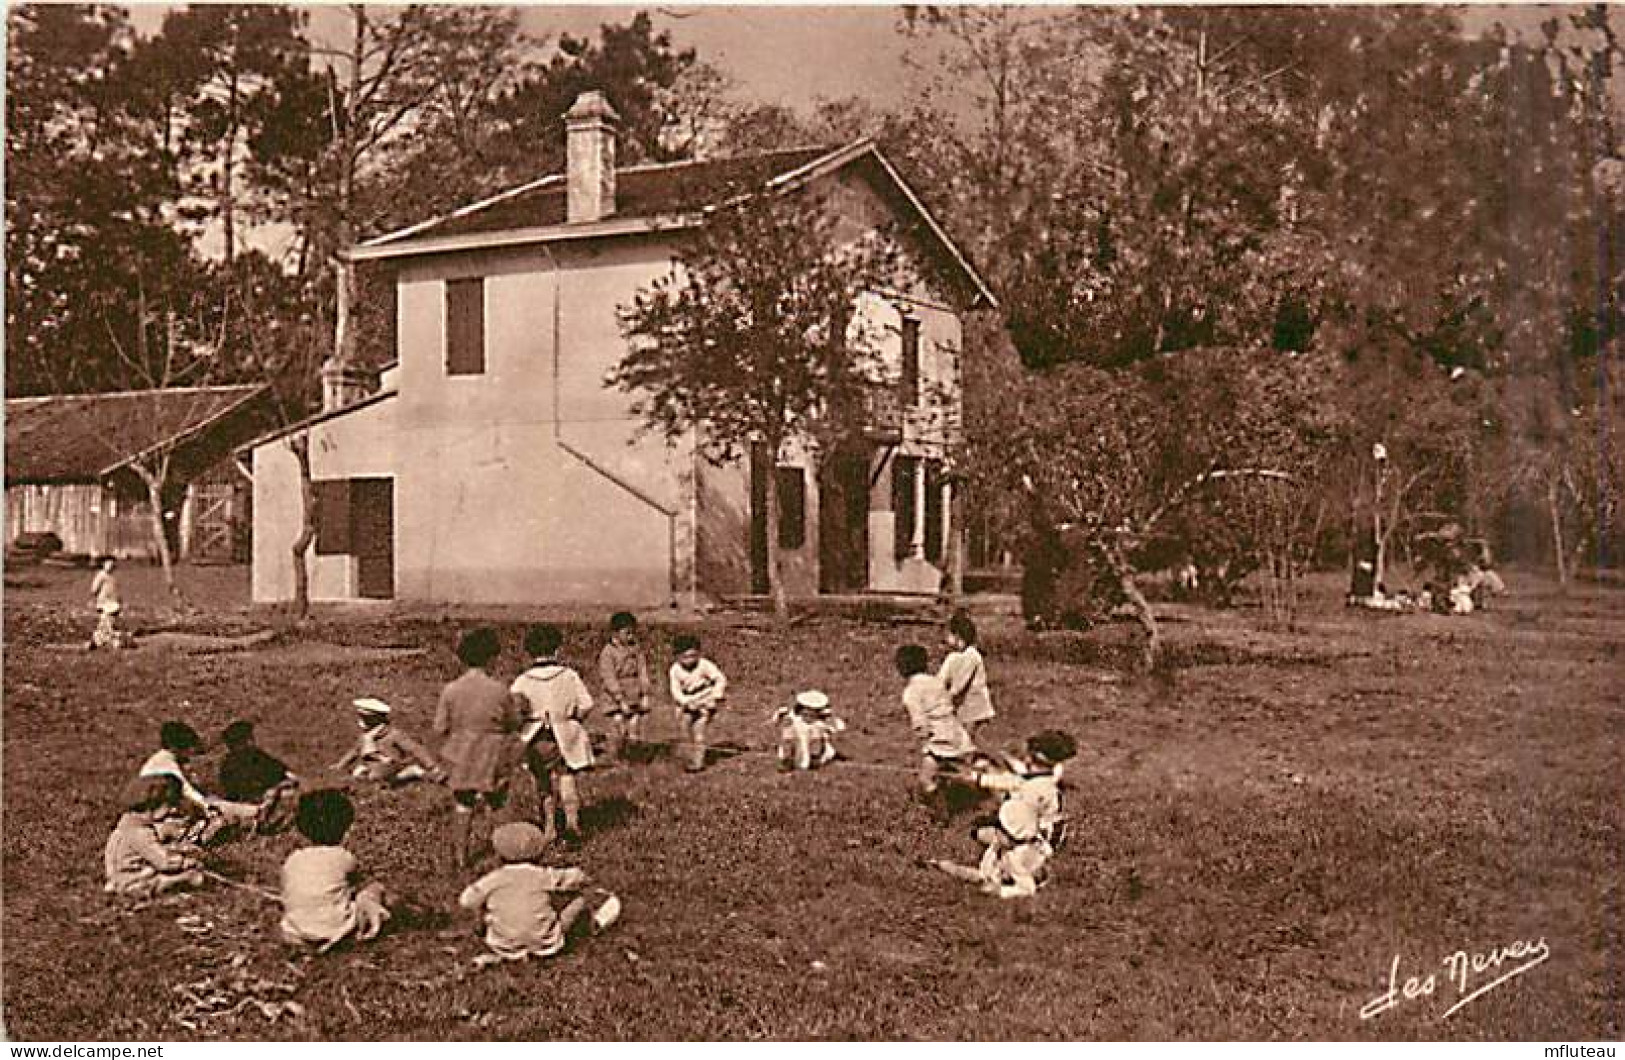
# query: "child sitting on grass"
(944, 743)
(698, 688)
(250, 776)
(385, 754)
(321, 905)
(807, 732)
(516, 900)
(138, 862)
(1036, 780)
(625, 676)
(205, 819)
(557, 744)
(964, 675)
(1016, 859)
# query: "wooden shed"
(70, 459)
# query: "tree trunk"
(1151, 655)
(344, 305)
(154, 481)
(956, 542)
(1554, 510)
(299, 445)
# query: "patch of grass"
(1253, 841)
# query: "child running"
(944, 743)
(807, 731)
(105, 601)
(624, 673)
(321, 905)
(386, 754)
(516, 900)
(698, 688)
(477, 718)
(557, 744)
(964, 675)
(138, 862)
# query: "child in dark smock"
(477, 718)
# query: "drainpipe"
(585, 459)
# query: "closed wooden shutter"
(465, 327)
(933, 511)
(792, 483)
(904, 469)
(332, 517)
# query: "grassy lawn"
(1252, 846)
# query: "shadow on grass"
(605, 814)
(643, 754)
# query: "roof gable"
(85, 437)
(653, 197)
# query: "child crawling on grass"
(323, 902)
(138, 862)
(1016, 859)
(516, 900)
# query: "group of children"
(488, 728)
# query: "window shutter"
(792, 484)
(904, 468)
(332, 517)
(465, 327)
(933, 511)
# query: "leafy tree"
(755, 338)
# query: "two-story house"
(494, 464)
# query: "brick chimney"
(590, 158)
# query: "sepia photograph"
(785, 523)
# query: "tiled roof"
(81, 437)
(640, 192)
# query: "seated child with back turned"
(516, 900)
(944, 743)
(322, 904)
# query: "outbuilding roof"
(86, 437)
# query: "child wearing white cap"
(516, 900)
(385, 753)
(807, 731)
(1017, 856)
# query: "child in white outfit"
(1035, 781)
(516, 900)
(1016, 860)
(807, 732)
(697, 687)
(138, 862)
(964, 675)
(321, 903)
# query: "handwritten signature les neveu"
(1463, 970)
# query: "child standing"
(557, 744)
(964, 674)
(807, 732)
(944, 743)
(516, 900)
(250, 776)
(385, 753)
(104, 600)
(697, 687)
(1016, 859)
(137, 861)
(321, 905)
(476, 716)
(625, 676)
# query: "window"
(904, 470)
(332, 517)
(911, 360)
(933, 511)
(792, 486)
(465, 327)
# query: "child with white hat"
(385, 753)
(516, 900)
(1017, 855)
(807, 729)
